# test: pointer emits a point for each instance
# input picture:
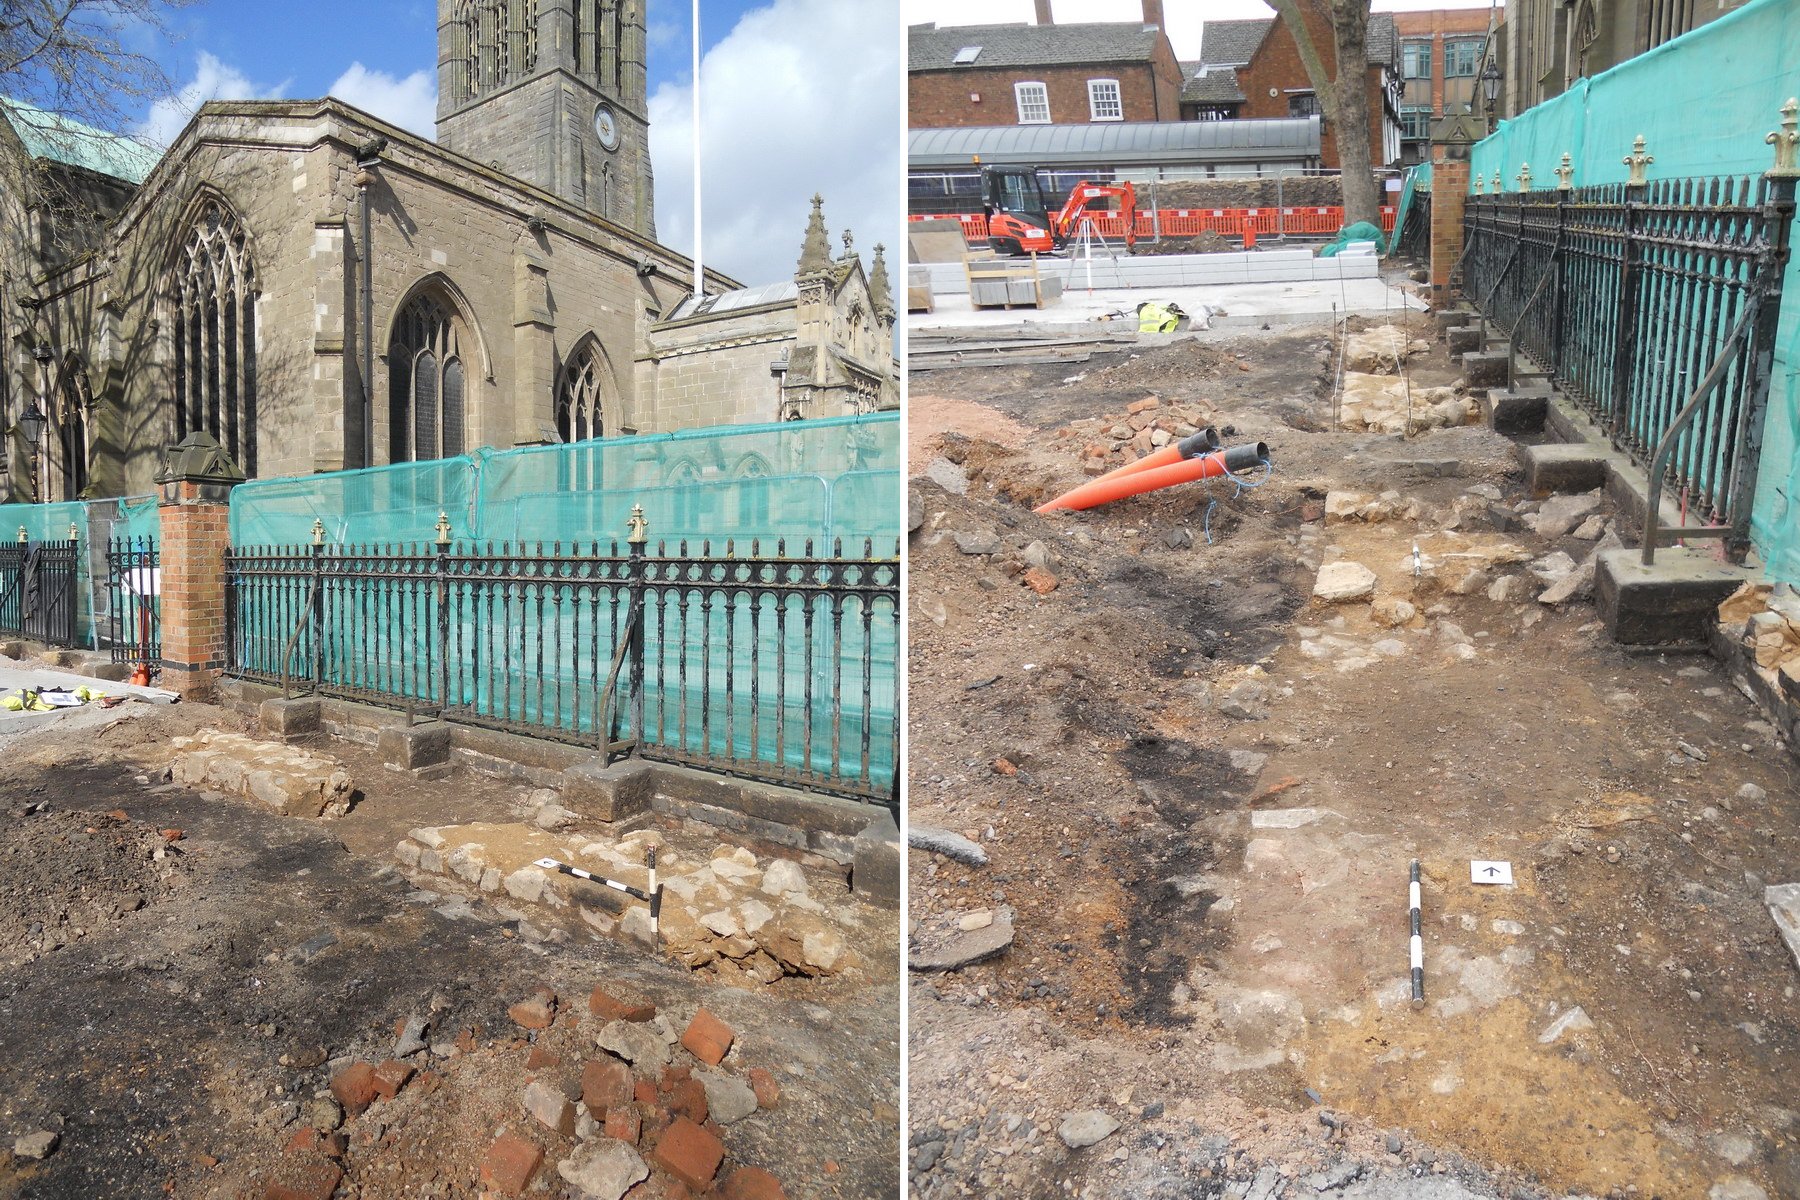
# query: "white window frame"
(1043, 95)
(1118, 100)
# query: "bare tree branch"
(1342, 91)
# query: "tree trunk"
(1343, 95)
(1356, 125)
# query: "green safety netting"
(836, 478)
(1703, 102)
(1418, 179)
(94, 523)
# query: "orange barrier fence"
(1246, 223)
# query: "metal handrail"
(1715, 374)
(1512, 335)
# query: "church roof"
(63, 139)
(732, 301)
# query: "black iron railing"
(37, 591)
(134, 595)
(1628, 296)
(780, 666)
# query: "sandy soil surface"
(175, 1006)
(1200, 788)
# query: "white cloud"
(802, 96)
(213, 80)
(410, 103)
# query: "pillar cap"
(198, 458)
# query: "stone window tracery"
(580, 412)
(213, 294)
(427, 382)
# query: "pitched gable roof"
(930, 48)
(1231, 43)
(52, 136)
(1210, 85)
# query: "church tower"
(553, 92)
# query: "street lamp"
(32, 420)
(31, 424)
(1490, 88)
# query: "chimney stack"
(1043, 13)
(1153, 13)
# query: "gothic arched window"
(580, 413)
(427, 382)
(524, 15)
(72, 415)
(490, 47)
(212, 290)
(462, 52)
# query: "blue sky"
(807, 98)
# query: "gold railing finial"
(1480, 183)
(1498, 186)
(1565, 174)
(1524, 177)
(23, 536)
(318, 532)
(1637, 160)
(1786, 140)
(636, 526)
(442, 528)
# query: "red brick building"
(1440, 60)
(1274, 83)
(1042, 74)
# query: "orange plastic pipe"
(1108, 488)
(1204, 442)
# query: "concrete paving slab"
(1271, 302)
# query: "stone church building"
(321, 290)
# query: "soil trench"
(1200, 787)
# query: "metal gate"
(37, 591)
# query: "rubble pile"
(1377, 398)
(1144, 427)
(746, 920)
(282, 778)
(612, 1098)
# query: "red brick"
(1147, 91)
(605, 1085)
(768, 1092)
(643, 1091)
(659, 1187)
(751, 1183)
(539, 1059)
(355, 1087)
(687, 1098)
(510, 1163)
(314, 1181)
(674, 1073)
(536, 1011)
(605, 1005)
(707, 1038)
(689, 1153)
(311, 1141)
(390, 1077)
(624, 1123)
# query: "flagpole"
(699, 271)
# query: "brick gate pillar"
(196, 480)
(1450, 145)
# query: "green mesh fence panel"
(1418, 178)
(734, 676)
(1703, 103)
(95, 522)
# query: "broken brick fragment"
(118, 814)
(1005, 766)
(707, 1038)
(643, 1091)
(624, 1123)
(313, 1141)
(751, 1183)
(313, 1181)
(689, 1153)
(608, 1007)
(172, 835)
(768, 1092)
(390, 1077)
(605, 1085)
(1041, 581)
(540, 1058)
(536, 1011)
(510, 1163)
(354, 1087)
(687, 1098)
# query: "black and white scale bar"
(1418, 942)
(550, 864)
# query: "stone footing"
(615, 793)
(1515, 410)
(1485, 368)
(291, 719)
(422, 749)
(1676, 600)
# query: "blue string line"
(1244, 483)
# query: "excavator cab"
(1018, 219)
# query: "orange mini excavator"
(1019, 222)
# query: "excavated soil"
(1221, 781)
(182, 1040)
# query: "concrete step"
(1673, 601)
